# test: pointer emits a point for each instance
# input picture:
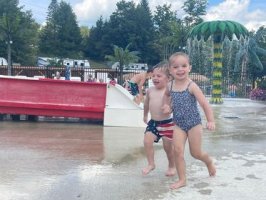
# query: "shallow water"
(62, 160)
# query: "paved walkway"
(68, 161)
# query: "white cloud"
(237, 10)
(90, 11)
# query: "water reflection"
(61, 160)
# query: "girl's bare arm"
(167, 102)
(196, 91)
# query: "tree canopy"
(61, 36)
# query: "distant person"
(67, 72)
(161, 124)
(232, 90)
(136, 83)
(112, 81)
(57, 75)
(184, 94)
(101, 80)
(90, 78)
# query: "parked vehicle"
(76, 63)
(132, 66)
(45, 61)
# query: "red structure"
(47, 97)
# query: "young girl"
(184, 95)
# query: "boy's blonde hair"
(163, 66)
(176, 54)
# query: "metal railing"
(241, 87)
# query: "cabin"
(45, 61)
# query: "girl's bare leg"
(169, 150)
(179, 140)
(195, 139)
(149, 150)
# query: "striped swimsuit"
(186, 114)
(161, 128)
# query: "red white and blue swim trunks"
(160, 129)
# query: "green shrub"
(262, 84)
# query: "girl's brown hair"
(176, 54)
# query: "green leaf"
(204, 28)
(207, 34)
(222, 26)
(239, 30)
(195, 31)
(230, 27)
(213, 26)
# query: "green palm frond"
(204, 28)
(222, 26)
(225, 28)
(213, 27)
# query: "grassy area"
(98, 64)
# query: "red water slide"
(48, 97)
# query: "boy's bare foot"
(147, 169)
(170, 172)
(178, 184)
(212, 169)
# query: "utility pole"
(9, 42)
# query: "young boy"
(160, 125)
(136, 83)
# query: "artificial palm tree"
(218, 30)
(123, 57)
(251, 51)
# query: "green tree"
(48, 42)
(98, 43)
(119, 30)
(167, 31)
(123, 57)
(195, 9)
(25, 41)
(61, 36)
(145, 33)
(18, 33)
(122, 24)
(128, 24)
(69, 36)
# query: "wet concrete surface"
(70, 160)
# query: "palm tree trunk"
(217, 70)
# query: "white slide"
(121, 110)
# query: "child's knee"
(179, 152)
(196, 155)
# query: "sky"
(250, 13)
